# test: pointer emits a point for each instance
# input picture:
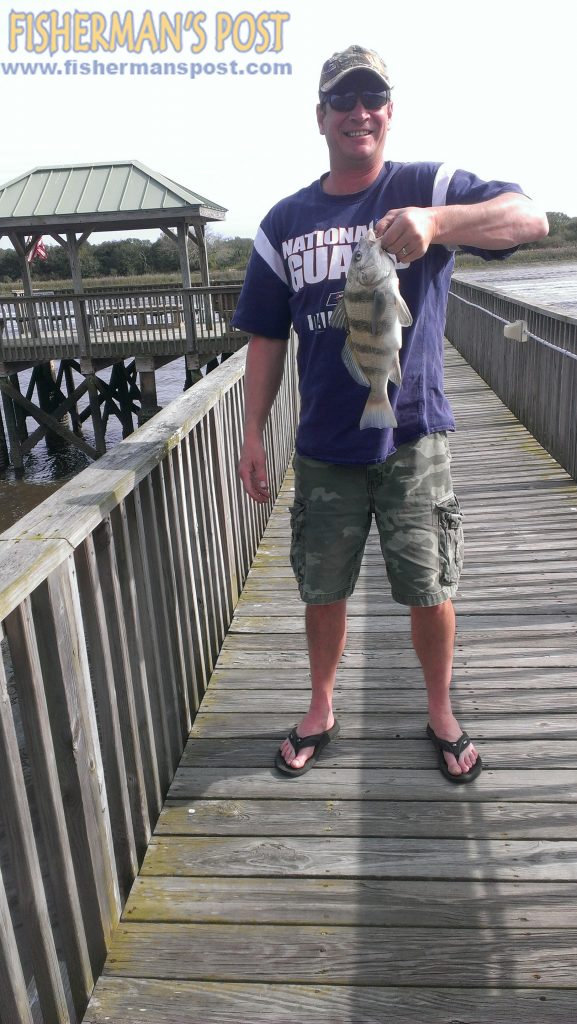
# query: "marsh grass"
(462, 261)
(112, 283)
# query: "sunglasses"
(344, 102)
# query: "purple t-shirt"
(296, 274)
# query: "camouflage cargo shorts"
(416, 513)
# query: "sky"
(487, 86)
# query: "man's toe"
(453, 765)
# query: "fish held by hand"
(373, 312)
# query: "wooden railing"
(115, 596)
(163, 322)
(536, 378)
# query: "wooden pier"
(133, 332)
(371, 890)
(153, 866)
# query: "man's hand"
(252, 470)
(407, 233)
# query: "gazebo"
(69, 203)
(89, 332)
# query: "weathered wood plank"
(358, 753)
(105, 662)
(348, 901)
(555, 727)
(120, 1001)
(135, 653)
(385, 818)
(473, 628)
(324, 955)
(244, 650)
(556, 570)
(363, 856)
(556, 786)
(371, 602)
(33, 905)
(466, 679)
(393, 701)
(13, 994)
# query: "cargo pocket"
(297, 552)
(450, 540)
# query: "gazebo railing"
(168, 321)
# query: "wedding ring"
(404, 251)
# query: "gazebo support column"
(204, 271)
(70, 388)
(188, 311)
(94, 399)
(50, 396)
(15, 449)
(73, 245)
(148, 398)
(19, 414)
(4, 454)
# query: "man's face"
(355, 138)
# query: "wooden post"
(119, 379)
(4, 456)
(29, 310)
(15, 449)
(19, 414)
(77, 302)
(192, 377)
(99, 438)
(204, 271)
(149, 401)
(188, 311)
(49, 398)
(36, 919)
(76, 424)
(13, 994)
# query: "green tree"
(557, 222)
(9, 265)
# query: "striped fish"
(372, 311)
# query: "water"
(47, 469)
(553, 285)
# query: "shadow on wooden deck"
(371, 890)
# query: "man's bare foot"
(311, 725)
(446, 727)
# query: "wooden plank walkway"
(371, 890)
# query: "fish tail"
(378, 413)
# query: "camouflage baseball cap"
(354, 58)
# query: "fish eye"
(357, 256)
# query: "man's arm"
(500, 223)
(264, 370)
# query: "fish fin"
(378, 413)
(353, 367)
(403, 311)
(378, 312)
(339, 318)
(395, 372)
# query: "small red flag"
(38, 250)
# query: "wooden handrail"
(538, 383)
(115, 597)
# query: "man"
(345, 475)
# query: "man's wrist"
(253, 432)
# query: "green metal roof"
(125, 193)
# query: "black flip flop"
(319, 741)
(456, 749)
